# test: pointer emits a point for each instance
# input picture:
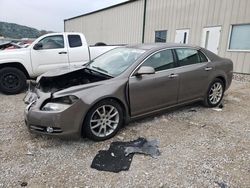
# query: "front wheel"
(215, 93)
(12, 80)
(104, 120)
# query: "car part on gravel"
(146, 147)
(120, 154)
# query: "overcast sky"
(48, 14)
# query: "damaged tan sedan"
(126, 83)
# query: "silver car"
(97, 99)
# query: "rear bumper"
(229, 80)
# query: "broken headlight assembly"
(59, 104)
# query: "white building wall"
(119, 25)
(171, 15)
(123, 24)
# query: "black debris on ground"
(120, 154)
(221, 105)
(192, 110)
(24, 184)
(221, 184)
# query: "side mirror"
(145, 70)
(38, 46)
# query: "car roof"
(158, 46)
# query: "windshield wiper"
(88, 63)
(100, 69)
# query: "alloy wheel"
(215, 93)
(104, 121)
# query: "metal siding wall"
(73, 25)
(119, 25)
(123, 24)
(195, 15)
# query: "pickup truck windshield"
(116, 61)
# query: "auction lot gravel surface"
(200, 147)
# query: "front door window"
(52, 42)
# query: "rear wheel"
(12, 80)
(215, 93)
(104, 120)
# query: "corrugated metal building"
(222, 26)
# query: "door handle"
(208, 68)
(173, 75)
(62, 52)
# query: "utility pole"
(144, 20)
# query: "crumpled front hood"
(75, 89)
(67, 77)
(59, 72)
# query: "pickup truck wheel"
(12, 80)
(103, 121)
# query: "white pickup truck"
(45, 53)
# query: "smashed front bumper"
(67, 123)
(31, 95)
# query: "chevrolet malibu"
(126, 83)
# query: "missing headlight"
(59, 104)
(65, 100)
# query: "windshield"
(115, 61)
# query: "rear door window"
(188, 56)
(74, 41)
(203, 58)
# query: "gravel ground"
(200, 147)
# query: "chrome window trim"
(168, 48)
(208, 60)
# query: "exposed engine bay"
(78, 77)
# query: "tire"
(12, 81)
(214, 99)
(100, 44)
(98, 121)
